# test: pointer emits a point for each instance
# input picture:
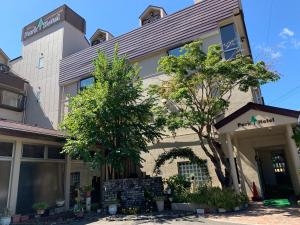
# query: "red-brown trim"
(259, 107)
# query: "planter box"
(189, 207)
(220, 210)
(200, 211)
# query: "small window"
(187, 169)
(11, 99)
(54, 152)
(87, 82)
(177, 51)
(230, 41)
(75, 179)
(41, 62)
(6, 149)
(33, 151)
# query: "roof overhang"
(15, 129)
(254, 116)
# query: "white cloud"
(286, 32)
(269, 53)
(296, 43)
(275, 55)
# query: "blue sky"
(273, 30)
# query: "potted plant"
(87, 190)
(78, 210)
(160, 203)
(40, 207)
(60, 202)
(113, 206)
(5, 217)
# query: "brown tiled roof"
(12, 128)
(167, 32)
(13, 80)
(259, 107)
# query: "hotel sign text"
(43, 23)
(254, 121)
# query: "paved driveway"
(188, 220)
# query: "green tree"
(198, 92)
(297, 135)
(111, 121)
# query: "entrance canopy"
(253, 116)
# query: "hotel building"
(56, 63)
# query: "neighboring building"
(56, 63)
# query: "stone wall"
(130, 192)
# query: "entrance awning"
(253, 116)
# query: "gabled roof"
(259, 107)
(152, 7)
(99, 31)
(12, 128)
(3, 53)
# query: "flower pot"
(88, 204)
(16, 218)
(200, 211)
(5, 220)
(160, 205)
(24, 218)
(60, 203)
(112, 209)
(237, 208)
(221, 210)
(40, 211)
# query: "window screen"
(86, 83)
(229, 41)
(6, 149)
(177, 51)
(33, 151)
(54, 152)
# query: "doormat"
(277, 202)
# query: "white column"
(15, 177)
(239, 161)
(67, 181)
(293, 150)
(232, 164)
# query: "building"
(56, 63)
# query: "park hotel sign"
(63, 13)
(256, 122)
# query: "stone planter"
(112, 209)
(189, 207)
(16, 218)
(5, 220)
(160, 205)
(221, 210)
(40, 211)
(237, 208)
(200, 211)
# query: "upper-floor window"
(11, 99)
(87, 82)
(41, 61)
(230, 41)
(178, 51)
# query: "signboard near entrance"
(254, 121)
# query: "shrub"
(179, 187)
(40, 206)
(215, 197)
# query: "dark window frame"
(236, 49)
(81, 88)
(21, 104)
